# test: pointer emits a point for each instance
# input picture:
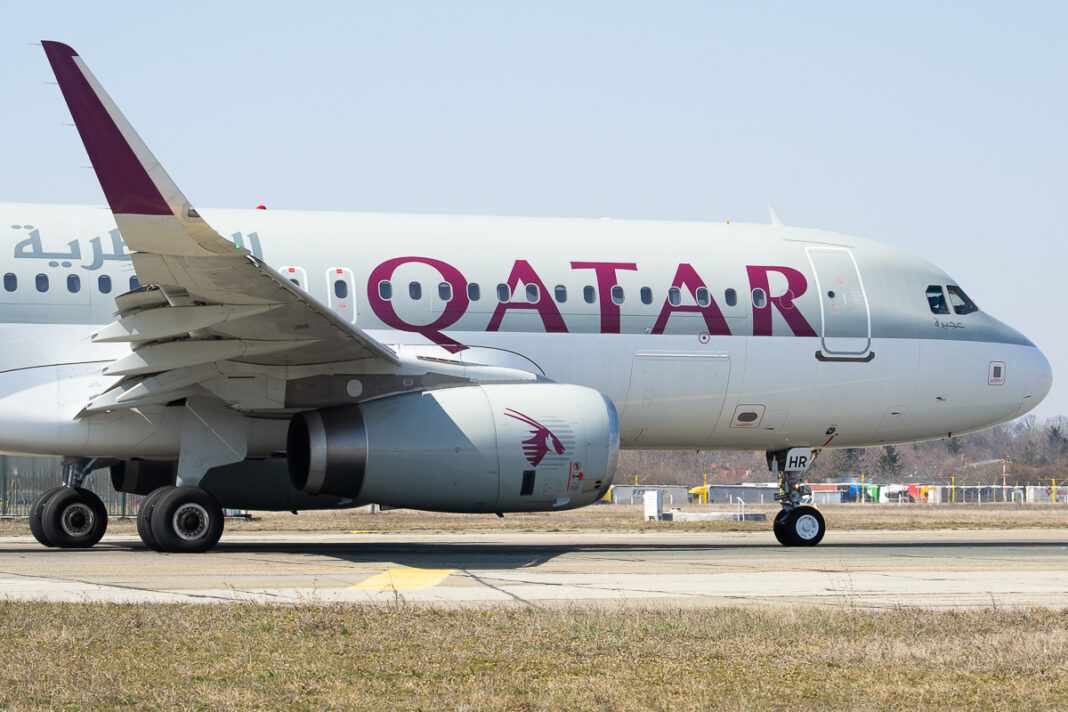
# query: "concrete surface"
(849, 569)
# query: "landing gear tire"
(36, 512)
(804, 526)
(779, 527)
(186, 520)
(144, 517)
(73, 518)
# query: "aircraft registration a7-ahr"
(463, 364)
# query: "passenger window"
(42, 282)
(760, 298)
(415, 290)
(473, 292)
(11, 282)
(674, 297)
(445, 292)
(504, 292)
(937, 300)
(589, 294)
(103, 283)
(960, 301)
(561, 293)
(617, 294)
(730, 297)
(134, 284)
(341, 289)
(703, 298)
(385, 290)
(74, 283)
(533, 293)
(647, 295)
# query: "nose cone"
(1039, 379)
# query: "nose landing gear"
(795, 524)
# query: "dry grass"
(623, 518)
(88, 656)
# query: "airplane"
(275, 360)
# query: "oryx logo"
(537, 447)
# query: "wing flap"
(157, 324)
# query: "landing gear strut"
(795, 524)
(70, 517)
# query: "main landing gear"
(69, 517)
(180, 520)
(171, 519)
(795, 524)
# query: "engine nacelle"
(490, 448)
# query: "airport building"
(674, 495)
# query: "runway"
(958, 569)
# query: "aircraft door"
(674, 398)
(844, 312)
(341, 292)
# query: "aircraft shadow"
(498, 555)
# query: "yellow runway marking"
(405, 579)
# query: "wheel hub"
(807, 527)
(190, 521)
(77, 519)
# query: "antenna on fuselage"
(773, 217)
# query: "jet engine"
(483, 448)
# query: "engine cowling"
(486, 448)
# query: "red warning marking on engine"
(576, 475)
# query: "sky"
(936, 127)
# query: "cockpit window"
(960, 301)
(937, 299)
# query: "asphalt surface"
(957, 569)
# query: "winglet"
(128, 186)
(135, 184)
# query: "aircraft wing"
(205, 301)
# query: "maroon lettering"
(686, 276)
(455, 308)
(796, 284)
(523, 273)
(606, 279)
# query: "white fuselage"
(773, 336)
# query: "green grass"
(312, 657)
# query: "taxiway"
(850, 569)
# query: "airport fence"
(23, 479)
